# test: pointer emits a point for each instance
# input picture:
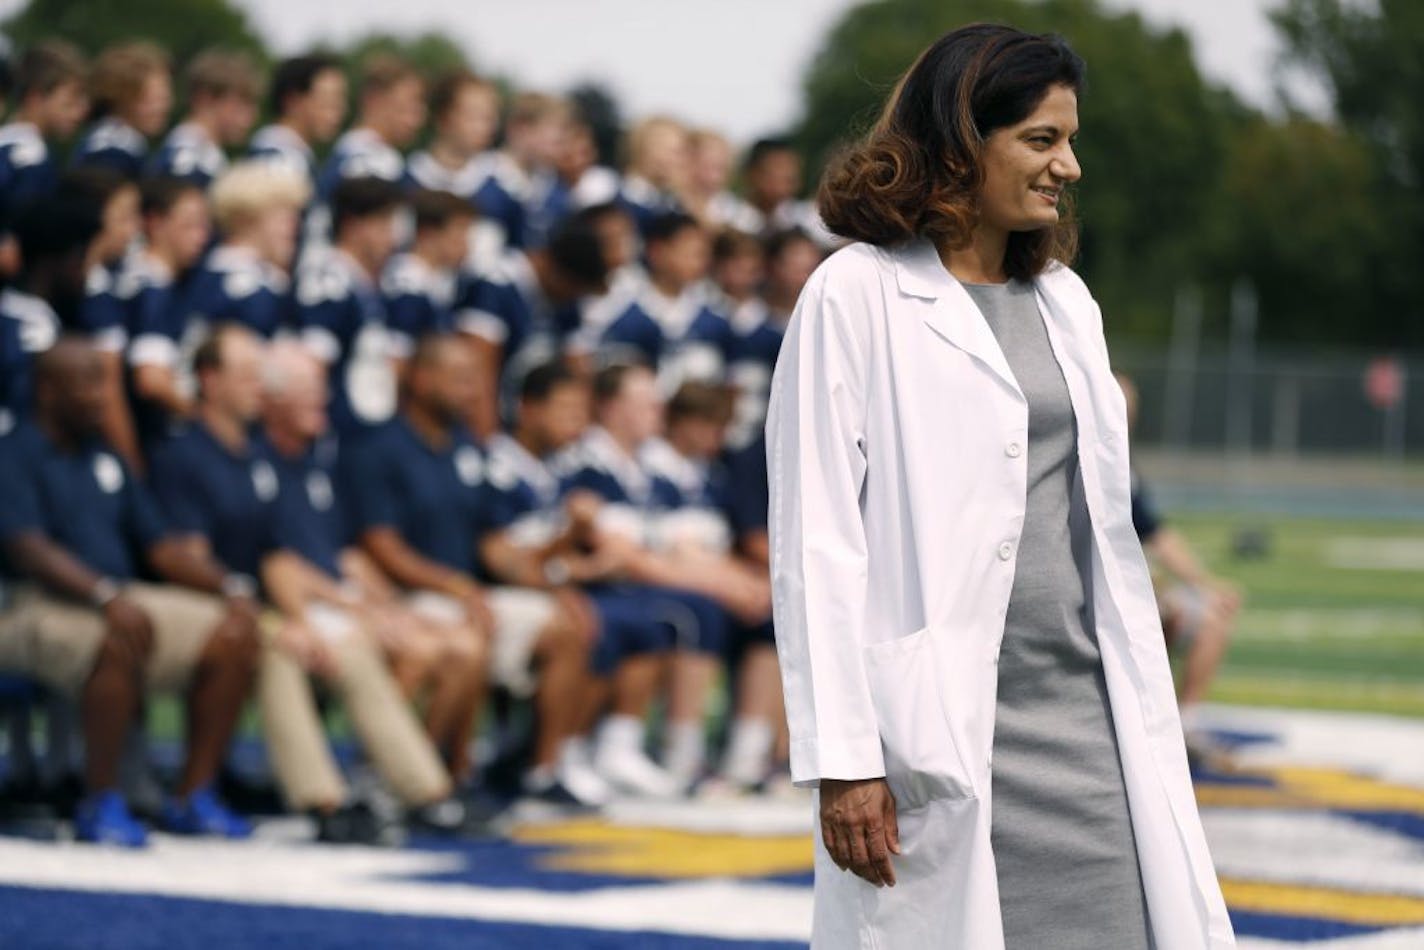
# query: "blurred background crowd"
(411, 428)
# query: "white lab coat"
(896, 446)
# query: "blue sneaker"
(104, 819)
(203, 814)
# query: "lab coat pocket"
(922, 761)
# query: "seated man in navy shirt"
(220, 488)
(339, 312)
(51, 102)
(72, 518)
(422, 505)
(223, 88)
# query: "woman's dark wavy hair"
(918, 172)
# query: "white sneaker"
(631, 772)
(584, 783)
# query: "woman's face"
(1027, 165)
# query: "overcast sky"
(734, 65)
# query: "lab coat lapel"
(953, 316)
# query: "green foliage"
(1371, 56)
(1309, 231)
(432, 53)
(1184, 184)
(183, 27)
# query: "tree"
(432, 53)
(1305, 228)
(183, 27)
(1371, 58)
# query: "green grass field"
(1334, 616)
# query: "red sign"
(1384, 382)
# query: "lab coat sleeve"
(817, 466)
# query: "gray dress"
(1062, 840)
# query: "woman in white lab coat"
(974, 668)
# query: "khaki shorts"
(520, 615)
(57, 641)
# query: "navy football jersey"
(27, 170)
(360, 153)
(282, 146)
(635, 498)
(681, 336)
(757, 342)
(234, 285)
(419, 299)
(113, 143)
(341, 317)
(188, 153)
(28, 327)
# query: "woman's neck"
(982, 262)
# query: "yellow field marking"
(596, 847)
(1301, 787)
(1380, 910)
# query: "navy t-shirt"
(85, 500)
(227, 497)
(308, 517)
(1146, 518)
(434, 497)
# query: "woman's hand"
(859, 828)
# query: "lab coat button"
(1006, 551)
(1013, 450)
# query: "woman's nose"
(1065, 165)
